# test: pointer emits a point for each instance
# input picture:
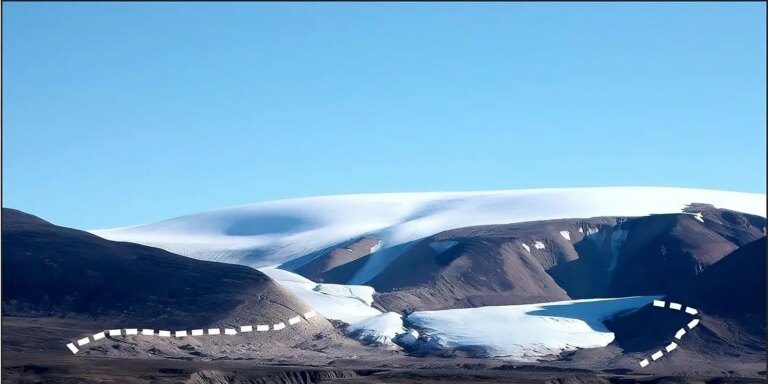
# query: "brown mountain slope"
(560, 259)
(52, 271)
(730, 297)
(335, 257)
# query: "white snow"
(527, 248)
(539, 245)
(271, 233)
(566, 235)
(362, 293)
(347, 303)
(375, 247)
(381, 329)
(525, 332)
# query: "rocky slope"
(561, 259)
(54, 275)
(730, 298)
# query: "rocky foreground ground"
(34, 352)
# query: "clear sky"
(121, 114)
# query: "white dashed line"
(672, 345)
(183, 333)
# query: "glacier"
(272, 233)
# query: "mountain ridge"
(273, 233)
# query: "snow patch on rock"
(375, 247)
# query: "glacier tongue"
(347, 303)
(527, 332)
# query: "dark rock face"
(732, 285)
(730, 298)
(51, 271)
(663, 252)
(559, 259)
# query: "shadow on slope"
(730, 297)
(52, 271)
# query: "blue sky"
(120, 114)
